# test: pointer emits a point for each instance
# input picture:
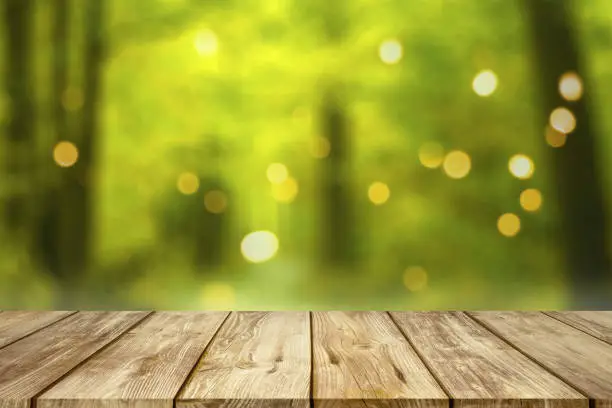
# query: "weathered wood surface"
(302, 359)
(257, 359)
(362, 358)
(15, 325)
(598, 324)
(477, 368)
(30, 365)
(145, 367)
(580, 359)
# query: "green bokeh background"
(257, 97)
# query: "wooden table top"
(295, 359)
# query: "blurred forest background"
(313, 154)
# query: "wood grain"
(362, 359)
(15, 325)
(263, 359)
(578, 358)
(598, 324)
(145, 368)
(257, 359)
(478, 369)
(30, 365)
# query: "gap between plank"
(40, 328)
(311, 391)
(451, 402)
(199, 360)
(508, 342)
(81, 363)
(577, 328)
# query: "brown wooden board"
(361, 359)
(257, 359)
(580, 359)
(15, 325)
(598, 324)
(298, 359)
(477, 369)
(145, 368)
(33, 363)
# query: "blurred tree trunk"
(49, 238)
(75, 222)
(197, 225)
(83, 185)
(338, 223)
(337, 216)
(210, 215)
(211, 227)
(60, 25)
(581, 200)
(20, 138)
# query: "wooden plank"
(145, 368)
(581, 360)
(598, 324)
(362, 359)
(477, 369)
(257, 359)
(30, 365)
(15, 325)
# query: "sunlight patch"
(259, 246)
(206, 43)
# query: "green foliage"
(255, 100)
